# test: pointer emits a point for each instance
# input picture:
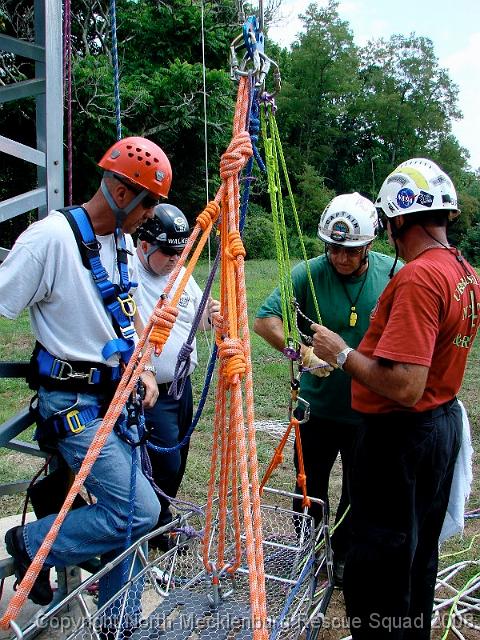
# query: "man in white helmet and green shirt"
(406, 373)
(348, 279)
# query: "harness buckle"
(128, 306)
(60, 373)
(73, 421)
(66, 372)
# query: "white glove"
(318, 367)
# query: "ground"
(271, 399)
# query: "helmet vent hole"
(148, 163)
(130, 155)
(155, 160)
(148, 154)
(139, 158)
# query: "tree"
(320, 82)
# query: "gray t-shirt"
(44, 272)
(150, 287)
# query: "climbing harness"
(116, 297)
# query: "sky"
(452, 25)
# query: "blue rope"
(279, 621)
(198, 413)
(116, 74)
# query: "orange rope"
(140, 357)
(239, 455)
(234, 436)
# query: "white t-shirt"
(150, 287)
(44, 272)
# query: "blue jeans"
(98, 529)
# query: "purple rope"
(148, 473)
(182, 366)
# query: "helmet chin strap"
(121, 214)
(146, 256)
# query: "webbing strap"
(116, 298)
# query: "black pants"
(322, 440)
(400, 478)
(169, 420)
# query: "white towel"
(461, 484)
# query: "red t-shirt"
(428, 315)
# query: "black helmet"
(167, 229)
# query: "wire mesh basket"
(173, 596)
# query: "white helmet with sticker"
(349, 220)
(417, 185)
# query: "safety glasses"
(350, 251)
(168, 251)
(147, 202)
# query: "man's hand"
(213, 308)
(327, 344)
(151, 389)
(318, 367)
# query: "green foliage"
(313, 247)
(382, 245)
(470, 245)
(258, 234)
(312, 199)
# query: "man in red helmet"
(73, 271)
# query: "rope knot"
(209, 215)
(163, 321)
(236, 247)
(232, 352)
(236, 156)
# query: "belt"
(163, 387)
(55, 373)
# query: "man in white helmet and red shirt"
(161, 241)
(348, 280)
(73, 270)
(406, 373)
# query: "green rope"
(455, 602)
(278, 144)
(280, 235)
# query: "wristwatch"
(151, 368)
(342, 356)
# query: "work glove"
(316, 366)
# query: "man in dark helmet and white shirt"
(161, 241)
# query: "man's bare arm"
(271, 330)
(403, 383)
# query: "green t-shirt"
(330, 397)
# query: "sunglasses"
(350, 251)
(147, 202)
(168, 251)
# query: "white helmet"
(417, 185)
(349, 220)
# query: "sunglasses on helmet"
(147, 202)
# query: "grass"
(271, 380)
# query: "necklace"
(352, 321)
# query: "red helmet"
(141, 162)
